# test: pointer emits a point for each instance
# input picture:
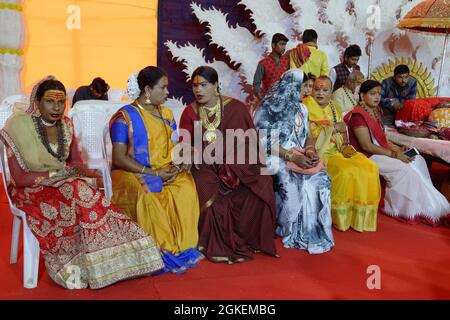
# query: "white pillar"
(12, 40)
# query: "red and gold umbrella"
(431, 16)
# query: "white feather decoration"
(336, 9)
(193, 57)
(177, 106)
(388, 10)
(306, 13)
(269, 18)
(234, 40)
(334, 24)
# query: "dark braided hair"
(51, 84)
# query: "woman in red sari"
(237, 215)
(84, 239)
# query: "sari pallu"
(169, 212)
(355, 183)
(84, 239)
(237, 203)
(302, 200)
(410, 195)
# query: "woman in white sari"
(410, 194)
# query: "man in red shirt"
(271, 68)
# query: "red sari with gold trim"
(85, 240)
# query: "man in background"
(97, 90)
(395, 91)
(347, 96)
(317, 62)
(271, 68)
(339, 73)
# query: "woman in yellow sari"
(160, 196)
(355, 182)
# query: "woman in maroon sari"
(237, 215)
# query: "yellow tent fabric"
(77, 41)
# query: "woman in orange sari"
(78, 229)
(151, 190)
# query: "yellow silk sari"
(170, 216)
(355, 182)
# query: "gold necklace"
(210, 126)
(142, 108)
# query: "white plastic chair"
(16, 102)
(6, 111)
(89, 118)
(115, 95)
(107, 157)
(30, 243)
(70, 93)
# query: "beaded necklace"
(334, 112)
(42, 133)
(352, 99)
(374, 114)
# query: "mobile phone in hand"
(411, 152)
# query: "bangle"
(52, 173)
(288, 155)
(393, 154)
(156, 173)
(143, 169)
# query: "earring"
(147, 100)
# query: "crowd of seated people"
(181, 193)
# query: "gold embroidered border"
(107, 266)
(68, 132)
(15, 150)
(103, 220)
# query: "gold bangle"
(156, 173)
(143, 169)
(52, 173)
(288, 155)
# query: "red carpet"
(414, 262)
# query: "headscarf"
(280, 105)
(20, 134)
